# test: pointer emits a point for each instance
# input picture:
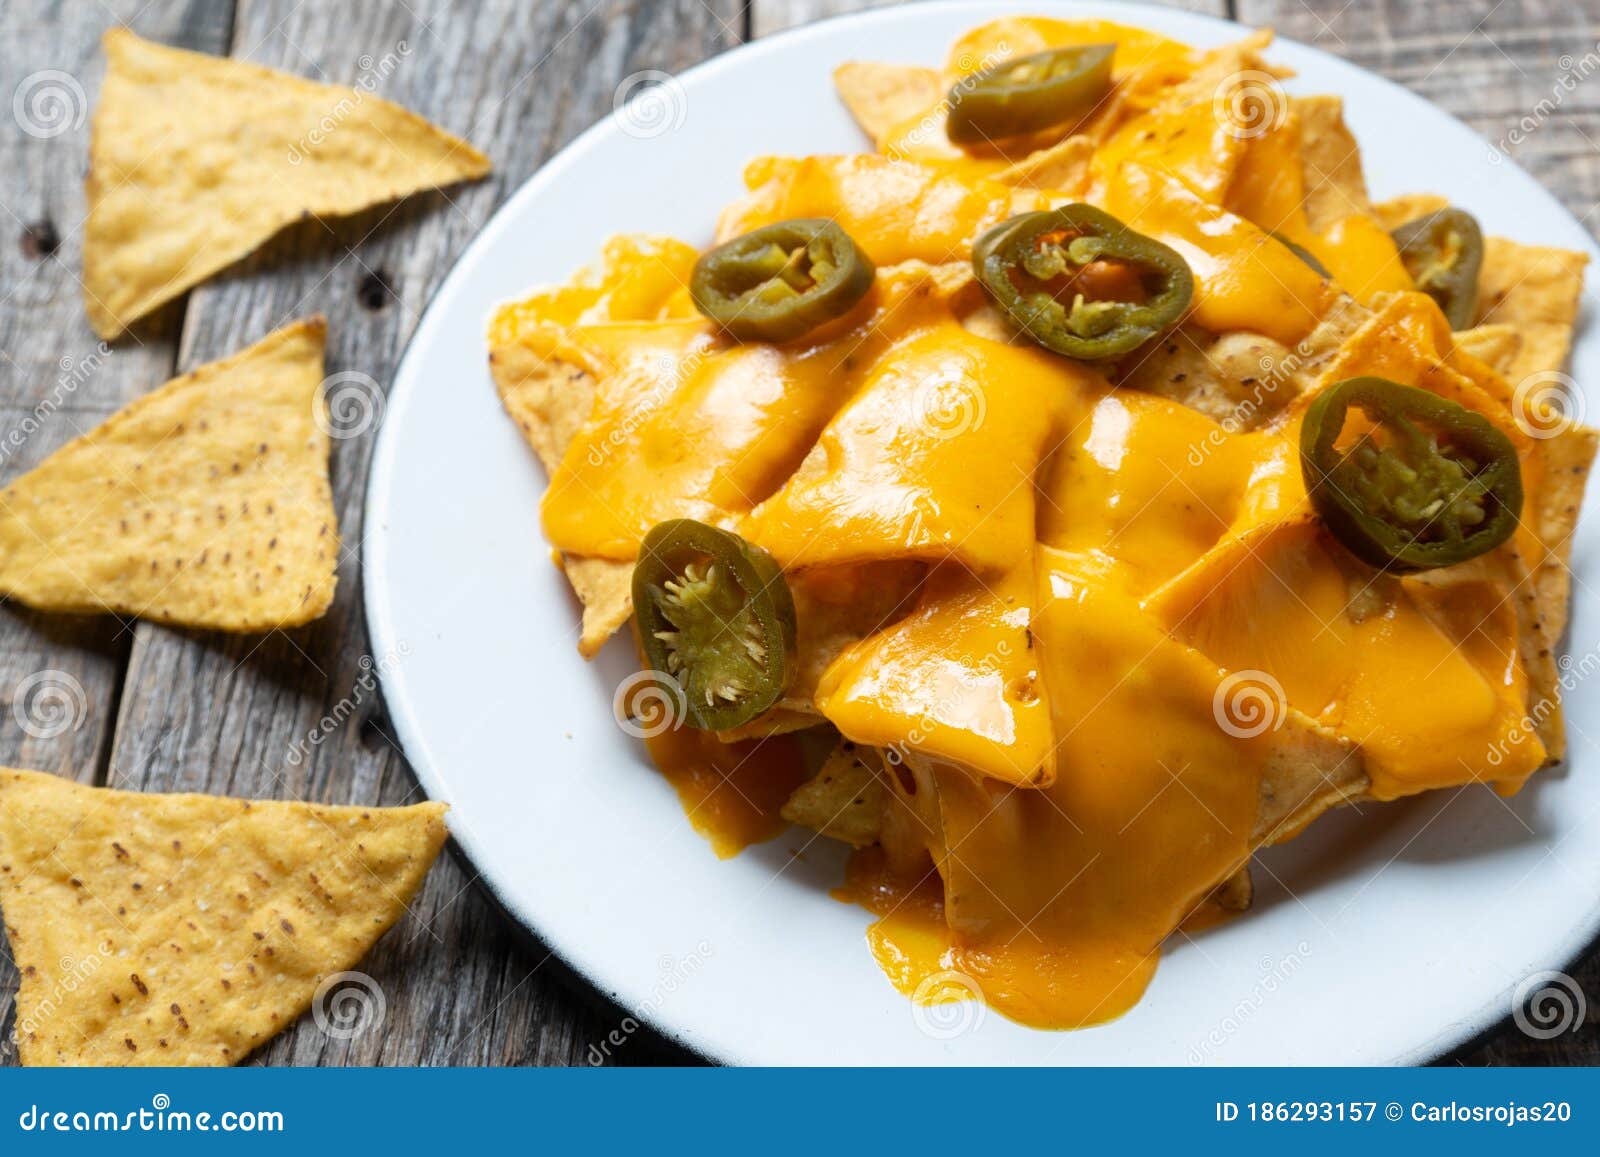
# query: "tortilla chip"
(1396, 211)
(548, 397)
(779, 720)
(1236, 893)
(1242, 380)
(1335, 185)
(1496, 346)
(187, 929)
(843, 801)
(605, 588)
(1309, 769)
(196, 160)
(205, 503)
(1063, 167)
(1567, 460)
(882, 96)
(1536, 290)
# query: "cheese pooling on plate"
(1080, 489)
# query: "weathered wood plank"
(60, 675)
(229, 715)
(1518, 71)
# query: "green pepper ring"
(1044, 319)
(1457, 288)
(733, 658)
(989, 105)
(727, 281)
(1367, 536)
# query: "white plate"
(1391, 936)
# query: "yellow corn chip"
(1063, 167)
(548, 397)
(1528, 296)
(1242, 380)
(205, 503)
(1335, 186)
(1567, 460)
(1309, 769)
(1535, 289)
(1396, 211)
(187, 929)
(605, 588)
(196, 160)
(882, 96)
(1496, 346)
(843, 801)
(1236, 893)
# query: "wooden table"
(165, 710)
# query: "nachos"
(1089, 481)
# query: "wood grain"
(1489, 62)
(163, 709)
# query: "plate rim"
(372, 562)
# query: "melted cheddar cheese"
(1101, 565)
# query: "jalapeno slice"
(781, 281)
(1303, 254)
(1443, 252)
(715, 615)
(1029, 93)
(1430, 484)
(1080, 282)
